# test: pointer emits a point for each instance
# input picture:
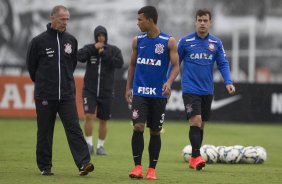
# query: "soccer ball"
(262, 155)
(209, 153)
(187, 153)
(250, 155)
(226, 156)
(240, 147)
(232, 154)
(220, 151)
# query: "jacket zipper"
(59, 65)
(99, 71)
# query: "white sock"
(89, 140)
(100, 143)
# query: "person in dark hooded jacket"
(102, 59)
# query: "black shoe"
(47, 172)
(85, 169)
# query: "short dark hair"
(202, 12)
(149, 12)
(57, 8)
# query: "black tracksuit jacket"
(100, 69)
(51, 60)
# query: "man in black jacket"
(51, 60)
(102, 60)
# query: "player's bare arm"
(131, 70)
(172, 45)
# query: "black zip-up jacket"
(51, 60)
(100, 69)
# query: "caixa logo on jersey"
(148, 61)
(201, 56)
(147, 90)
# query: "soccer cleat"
(151, 174)
(101, 151)
(136, 172)
(90, 149)
(85, 169)
(197, 163)
(47, 172)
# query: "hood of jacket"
(100, 29)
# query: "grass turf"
(18, 162)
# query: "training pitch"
(18, 162)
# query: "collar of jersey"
(196, 36)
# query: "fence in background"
(251, 103)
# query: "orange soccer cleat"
(151, 174)
(136, 172)
(197, 163)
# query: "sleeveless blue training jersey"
(198, 57)
(151, 65)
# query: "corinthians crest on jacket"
(68, 49)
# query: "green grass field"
(18, 165)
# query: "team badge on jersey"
(159, 48)
(135, 114)
(68, 49)
(211, 46)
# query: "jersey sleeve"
(223, 64)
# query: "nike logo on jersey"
(193, 45)
(217, 104)
(147, 90)
(48, 49)
(142, 47)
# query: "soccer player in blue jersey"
(199, 51)
(148, 86)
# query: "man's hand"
(230, 88)
(166, 89)
(128, 96)
(101, 51)
(100, 47)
